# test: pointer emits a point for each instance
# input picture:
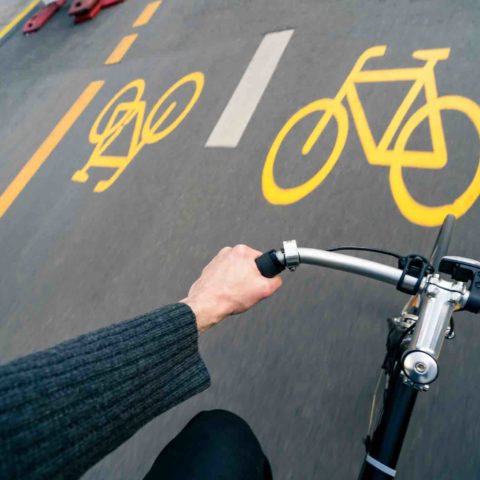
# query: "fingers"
(246, 251)
(241, 250)
(272, 285)
(276, 283)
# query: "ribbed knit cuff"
(63, 409)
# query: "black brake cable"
(366, 249)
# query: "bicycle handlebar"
(275, 261)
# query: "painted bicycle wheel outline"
(408, 206)
(284, 196)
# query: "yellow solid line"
(147, 14)
(121, 49)
(48, 146)
(18, 18)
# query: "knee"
(220, 418)
(224, 427)
(219, 414)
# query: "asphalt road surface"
(302, 366)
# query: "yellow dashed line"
(48, 146)
(18, 18)
(121, 49)
(147, 14)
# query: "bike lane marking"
(147, 14)
(121, 49)
(46, 148)
(237, 114)
(17, 185)
(387, 152)
(148, 126)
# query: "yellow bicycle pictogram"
(396, 156)
(147, 129)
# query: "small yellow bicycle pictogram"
(397, 156)
(147, 130)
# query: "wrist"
(205, 311)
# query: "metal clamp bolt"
(292, 258)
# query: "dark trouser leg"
(215, 445)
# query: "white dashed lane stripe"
(234, 120)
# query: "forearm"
(64, 409)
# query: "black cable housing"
(366, 249)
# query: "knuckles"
(241, 249)
(224, 250)
(271, 286)
(267, 289)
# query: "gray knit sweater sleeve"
(63, 409)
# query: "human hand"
(229, 284)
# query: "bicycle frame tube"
(385, 446)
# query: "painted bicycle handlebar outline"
(145, 130)
(382, 154)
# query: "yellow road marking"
(121, 49)
(147, 14)
(387, 152)
(18, 18)
(48, 146)
(147, 128)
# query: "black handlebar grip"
(269, 265)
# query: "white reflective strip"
(380, 466)
(234, 120)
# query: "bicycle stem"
(439, 300)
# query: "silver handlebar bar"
(291, 256)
